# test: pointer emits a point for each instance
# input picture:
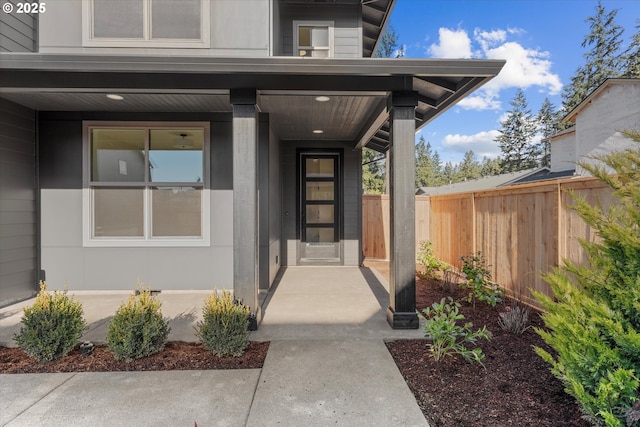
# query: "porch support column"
(245, 197)
(401, 313)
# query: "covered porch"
(271, 106)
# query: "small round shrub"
(138, 328)
(224, 326)
(52, 326)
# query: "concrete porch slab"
(328, 303)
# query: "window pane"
(171, 19)
(319, 190)
(117, 155)
(320, 37)
(118, 212)
(175, 155)
(319, 235)
(318, 214)
(304, 36)
(320, 168)
(176, 212)
(118, 19)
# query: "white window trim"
(328, 24)
(87, 202)
(205, 31)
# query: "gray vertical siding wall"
(18, 223)
(18, 31)
(351, 199)
(347, 41)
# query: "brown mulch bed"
(175, 356)
(515, 389)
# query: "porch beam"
(401, 313)
(245, 197)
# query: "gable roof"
(571, 116)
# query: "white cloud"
(482, 143)
(524, 67)
(483, 101)
(451, 44)
(489, 38)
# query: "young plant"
(514, 318)
(479, 283)
(593, 318)
(52, 326)
(138, 328)
(447, 336)
(224, 326)
(450, 280)
(427, 259)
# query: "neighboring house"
(484, 183)
(200, 144)
(598, 122)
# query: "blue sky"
(540, 39)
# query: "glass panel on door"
(319, 208)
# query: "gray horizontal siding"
(346, 35)
(18, 31)
(18, 219)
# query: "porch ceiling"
(357, 88)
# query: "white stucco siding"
(67, 263)
(599, 124)
(563, 153)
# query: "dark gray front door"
(320, 208)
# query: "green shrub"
(479, 282)
(427, 259)
(593, 320)
(449, 338)
(52, 326)
(138, 328)
(224, 326)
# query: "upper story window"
(313, 38)
(146, 23)
(146, 184)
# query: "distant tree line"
(523, 136)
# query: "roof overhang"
(202, 84)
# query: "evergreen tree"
(632, 55)
(548, 125)
(469, 168)
(372, 171)
(602, 61)
(490, 167)
(427, 164)
(388, 45)
(593, 319)
(449, 174)
(516, 137)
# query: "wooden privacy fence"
(523, 230)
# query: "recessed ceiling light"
(115, 97)
(322, 98)
(318, 131)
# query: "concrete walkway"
(327, 365)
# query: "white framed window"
(313, 39)
(146, 23)
(146, 184)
